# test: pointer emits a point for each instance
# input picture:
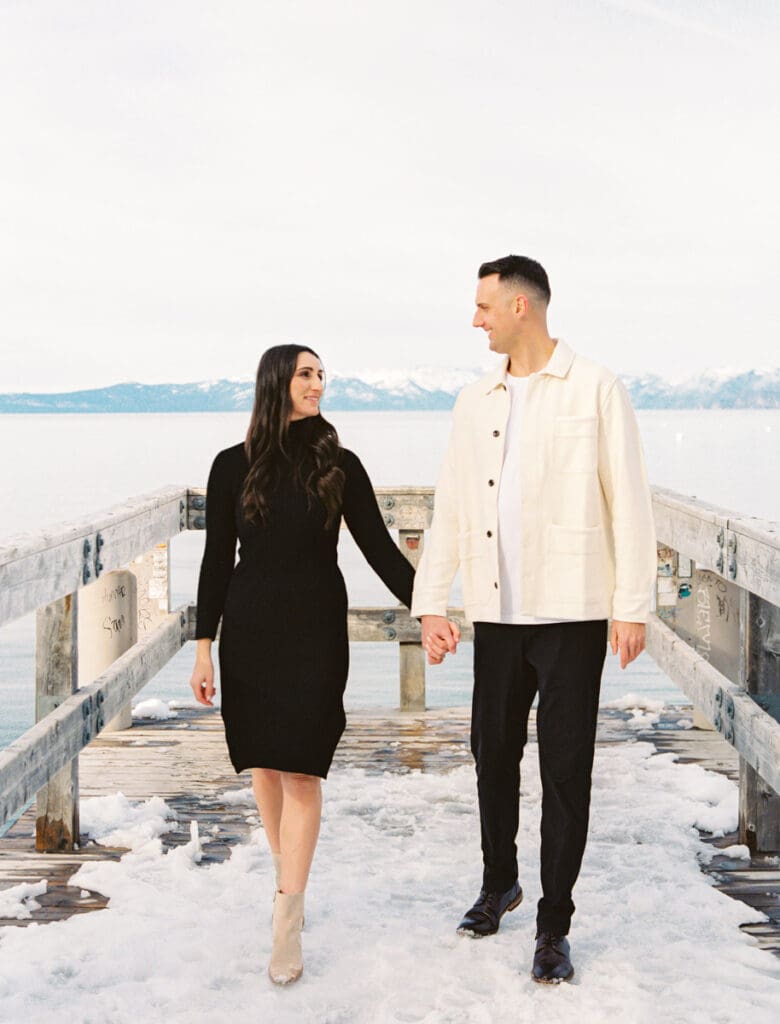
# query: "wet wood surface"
(184, 761)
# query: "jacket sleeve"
(366, 525)
(219, 555)
(623, 479)
(440, 558)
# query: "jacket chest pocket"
(575, 444)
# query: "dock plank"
(184, 760)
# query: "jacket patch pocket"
(575, 444)
(574, 569)
(575, 540)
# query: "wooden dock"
(184, 761)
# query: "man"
(543, 505)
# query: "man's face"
(496, 313)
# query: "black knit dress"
(283, 651)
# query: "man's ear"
(521, 305)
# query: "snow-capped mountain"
(423, 388)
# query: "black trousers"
(562, 662)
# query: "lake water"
(55, 468)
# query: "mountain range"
(423, 389)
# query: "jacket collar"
(558, 366)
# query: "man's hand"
(629, 639)
(440, 636)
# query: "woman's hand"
(202, 680)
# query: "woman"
(283, 650)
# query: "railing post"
(759, 805)
(152, 572)
(56, 678)
(107, 628)
(411, 655)
(666, 590)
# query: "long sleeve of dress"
(366, 525)
(220, 552)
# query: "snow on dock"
(184, 935)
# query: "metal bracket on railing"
(91, 566)
(720, 561)
(724, 723)
(86, 714)
(196, 503)
(99, 542)
(731, 546)
(86, 571)
(388, 502)
(100, 698)
(183, 624)
(182, 520)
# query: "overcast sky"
(183, 184)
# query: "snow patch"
(634, 702)
(737, 852)
(154, 708)
(397, 864)
(238, 797)
(115, 821)
(19, 901)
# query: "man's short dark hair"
(521, 271)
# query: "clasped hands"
(440, 637)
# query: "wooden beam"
(375, 625)
(41, 567)
(402, 508)
(51, 744)
(411, 656)
(742, 549)
(759, 807)
(56, 678)
(735, 714)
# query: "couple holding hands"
(544, 506)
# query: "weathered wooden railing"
(717, 634)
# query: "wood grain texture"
(56, 679)
(44, 565)
(184, 760)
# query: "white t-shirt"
(510, 565)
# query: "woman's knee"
(301, 785)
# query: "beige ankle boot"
(287, 956)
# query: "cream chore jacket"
(586, 521)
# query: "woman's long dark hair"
(270, 451)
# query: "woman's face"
(306, 386)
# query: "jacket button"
(491, 483)
(490, 533)
(496, 433)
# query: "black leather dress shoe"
(551, 959)
(484, 917)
